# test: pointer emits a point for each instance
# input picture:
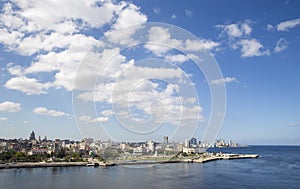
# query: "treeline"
(14, 156)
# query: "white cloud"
(236, 30)
(188, 12)
(30, 86)
(135, 91)
(246, 28)
(124, 37)
(53, 38)
(10, 39)
(58, 11)
(294, 124)
(107, 113)
(89, 119)
(199, 45)
(161, 41)
(57, 42)
(191, 100)
(130, 16)
(233, 30)
(173, 16)
(270, 27)
(8, 106)
(156, 10)
(281, 45)
(45, 111)
(3, 118)
(177, 58)
(287, 25)
(31, 20)
(239, 35)
(252, 47)
(15, 70)
(224, 80)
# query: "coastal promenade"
(202, 159)
(224, 157)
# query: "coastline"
(203, 159)
(40, 164)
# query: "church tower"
(32, 136)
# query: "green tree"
(130, 151)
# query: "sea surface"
(277, 167)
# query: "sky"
(141, 70)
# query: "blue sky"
(255, 44)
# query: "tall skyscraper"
(193, 142)
(32, 136)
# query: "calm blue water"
(278, 167)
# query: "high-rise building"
(32, 136)
(187, 143)
(193, 142)
(166, 140)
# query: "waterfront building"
(83, 146)
(150, 146)
(179, 147)
(193, 150)
(124, 146)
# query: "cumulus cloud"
(236, 30)
(281, 45)
(177, 58)
(224, 80)
(3, 118)
(9, 106)
(130, 15)
(29, 86)
(56, 38)
(239, 35)
(161, 42)
(89, 119)
(252, 47)
(45, 111)
(160, 37)
(135, 92)
(201, 44)
(15, 70)
(287, 25)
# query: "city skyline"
(165, 140)
(255, 44)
